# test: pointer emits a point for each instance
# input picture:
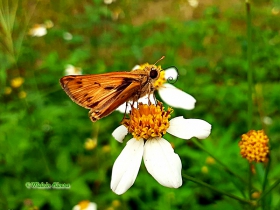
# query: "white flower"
(193, 3)
(85, 205)
(171, 95)
(108, 1)
(267, 120)
(72, 70)
(158, 155)
(67, 36)
(38, 30)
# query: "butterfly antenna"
(159, 59)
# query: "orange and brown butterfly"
(103, 93)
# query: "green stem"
(265, 180)
(249, 63)
(269, 190)
(250, 83)
(217, 190)
(250, 180)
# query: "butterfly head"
(153, 72)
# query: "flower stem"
(217, 190)
(269, 190)
(250, 180)
(249, 65)
(265, 182)
(250, 83)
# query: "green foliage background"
(42, 135)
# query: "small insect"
(103, 93)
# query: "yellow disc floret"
(254, 146)
(143, 66)
(148, 121)
(84, 204)
(17, 82)
(160, 81)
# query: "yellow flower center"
(90, 144)
(148, 121)
(84, 204)
(160, 81)
(17, 82)
(254, 146)
(210, 160)
(116, 203)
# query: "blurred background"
(45, 137)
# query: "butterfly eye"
(153, 73)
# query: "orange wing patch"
(101, 93)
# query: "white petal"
(67, 36)
(193, 3)
(124, 108)
(188, 128)
(143, 100)
(171, 73)
(162, 163)
(38, 30)
(76, 207)
(92, 206)
(72, 70)
(126, 166)
(175, 97)
(69, 69)
(267, 120)
(108, 1)
(119, 133)
(136, 67)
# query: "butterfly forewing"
(103, 93)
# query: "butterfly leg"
(124, 115)
(155, 98)
(151, 92)
(136, 99)
(126, 103)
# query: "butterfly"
(103, 93)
